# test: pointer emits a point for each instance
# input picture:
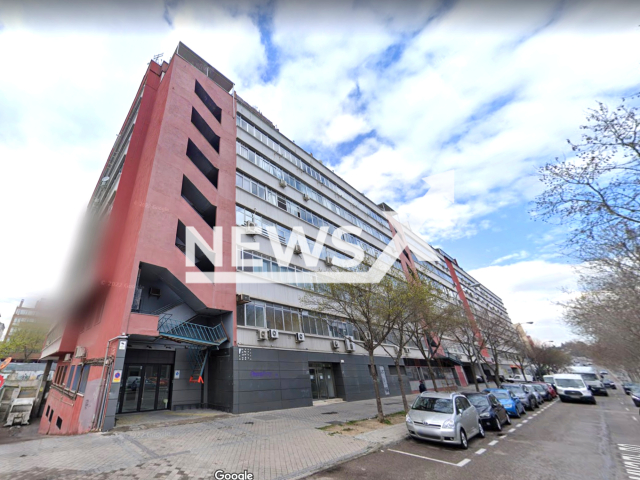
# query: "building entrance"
(145, 387)
(322, 381)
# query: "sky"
(386, 93)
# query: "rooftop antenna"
(158, 57)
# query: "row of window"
(277, 172)
(243, 216)
(242, 123)
(289, 319)
(76, 380)
(280, 201)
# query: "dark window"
(393, 370)
(59, 423)
(208, 102)
(202, 162)
(76, 378)
(47, 412)
(205, 130)
(70, 378)
(201, 260)
(198, 201)
(83, 380)
(51, 414)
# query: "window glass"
(70, 378)
(251, 315)
(287, 320)
(295, 318)
(260, 316)
(271, 322)
(83, 380)
(240, 314)
(278, 316)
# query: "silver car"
(444, 417)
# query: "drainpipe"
(103, 387)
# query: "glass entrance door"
(131, 394)
(322, 381)
(145, 387)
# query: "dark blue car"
(509, 401)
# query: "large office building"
(36, 318)
(144, 329)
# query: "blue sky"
(387, 95)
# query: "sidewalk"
(280, 444)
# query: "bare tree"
(370, 307)
(467, 336)
(596, 192)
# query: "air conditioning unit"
(80, 352)
(395, 349)
(273, 334)
(406, 350)
(154, 292)
(251, 228)
(335, 344)
(367, 335)
(328, 260)
(67, 357)
(299, 337)
(349, 346)
(306, 197)
(241, 299)
(297, 250)
(283, 184)
(263, 334)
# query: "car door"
(499, 409)
(470, 417)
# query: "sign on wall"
(117, 376)
(176, 374)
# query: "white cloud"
(521, 255)
(530, 290)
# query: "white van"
(571, 386)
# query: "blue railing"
(188, 332)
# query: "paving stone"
(282, 445)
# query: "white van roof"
(568, 376)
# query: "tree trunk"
(475, 377)
(376, 387)
(404, 395)
(432, 375)
(496, 372)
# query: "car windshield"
(478, 400)
(514, 388)
(589, 377)
(429, 404)
(635, 389)
(502, 395)
(569, 383)
(539, 388)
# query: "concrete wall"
(274, 379)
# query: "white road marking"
(519, 425)
(635, 418)
(512, 430)
(495, 442)
(525, 421)
(481, 451)
(459, 464)
(626, 408)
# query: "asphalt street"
(558, 440)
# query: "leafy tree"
(26, 340)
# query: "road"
(559, 440)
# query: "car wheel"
(508, 422)
(481, 432)
(464, 443)
(518, 414)
(606, 394)
(497, 424)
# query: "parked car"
(445, 418)
(548, 379)
(543, 390)
(490, 411)
(509, 401)
(604, 372)
(571, 386)
(536, 392)
(635, 395)
(627, 386)
(609, 384)
(524, 393)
